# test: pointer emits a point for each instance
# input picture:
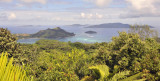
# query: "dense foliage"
(7, 42)
(128, 56)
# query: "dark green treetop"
(7, 41)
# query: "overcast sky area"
(66, 12)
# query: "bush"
(7, 42)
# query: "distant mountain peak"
(57, 28)
(51, 33)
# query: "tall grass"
(10, 72)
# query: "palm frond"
(101, 70)
(9, 72)
(134, 77)
(119, 75)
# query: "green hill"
(50, 33)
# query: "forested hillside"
(130, 56)
(48, 33)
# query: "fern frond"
(101, 70)
(133, 77)
(9, 72)
(119, 75)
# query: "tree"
(129, 51)
(144, 31)
(7, 42)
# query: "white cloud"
(99, 15)
(141, 4)
(7, 16)
(19, 5)
(142, 8)
(3, 16)
(32, 1)
(5, 0)
(22, 2)
(56, 19)
(100, 3)
(11, 16)
(83, 15)
(91, 15)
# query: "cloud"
(32, 1)
(31, 4)
(22, 2)
(99, 15)
(3, 16)
(91, 16)
(83, 15)
(7, 16)
(100, 3)
(11, 16)
(5, 0)
(142, 4)
(142, 8)
(61, 2)
(25, 1)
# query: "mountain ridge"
(111, 25)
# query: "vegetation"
(144, 31)
(48, 33)
(9, 72)
(102, 72)
(129, 56)
(7, 42)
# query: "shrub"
(7, 42)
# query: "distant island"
(91, 32)
(48, 33)
(111, 25)
(76, 25)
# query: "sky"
(67, 12)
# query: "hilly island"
(54, 33)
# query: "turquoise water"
(102, 35)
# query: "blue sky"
(66, 12)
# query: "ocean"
(102, 35)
